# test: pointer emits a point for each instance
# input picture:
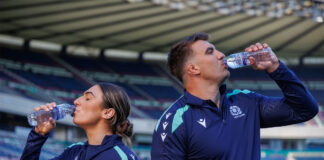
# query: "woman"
(102, 112)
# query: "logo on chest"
(202, 122)
(236, 112)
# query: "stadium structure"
(53, 50)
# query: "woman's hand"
(45, 127)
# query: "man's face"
(209, 61)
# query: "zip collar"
(196, 101)
(107, 143)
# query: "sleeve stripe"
(121, 153)
(177, 119)
(237, 91)
(74, 144)
(158, 122)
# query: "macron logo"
(202, 122)
(163, 135)
(168, 115)
(165, 124)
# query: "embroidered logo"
(165, 124)
(236, 112)
(163, 135)
(167, 115)
(202, 122)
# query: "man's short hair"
(180, 52)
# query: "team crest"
(236, 111)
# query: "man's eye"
(210, 50)
(87, 99)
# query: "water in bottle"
(58, 112)
(241, 59)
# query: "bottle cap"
(225, 62)
(73, 110)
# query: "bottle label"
(241, 59)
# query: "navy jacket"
(111, 148)
(193, 128)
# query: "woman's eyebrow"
(88, 92)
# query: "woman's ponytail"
(116, 98)
(125, 130)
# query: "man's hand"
(270, 65)
(45, 127)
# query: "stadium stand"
(60, 29)
(140, 80)
(12, 145)
(140, 86)
(52, 76)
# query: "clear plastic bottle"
(241, 59)
(58, 112)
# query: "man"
(208, 122)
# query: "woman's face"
(89, 107)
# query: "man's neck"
(205, 91)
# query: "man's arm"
(169, 142)
(172, 148)
(297, 105)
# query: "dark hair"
(116, 98)
(180, 52)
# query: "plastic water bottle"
(241, 59)
(58, 112)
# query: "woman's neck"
(97, 133)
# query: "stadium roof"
(145, 26)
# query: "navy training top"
(193, 128)
(111, 148)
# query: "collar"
(193, 100)
(107, 143)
